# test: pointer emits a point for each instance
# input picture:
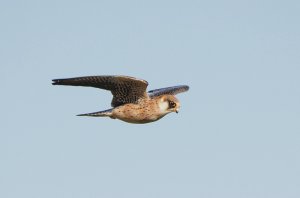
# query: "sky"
(238, 131)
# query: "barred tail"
(105, 113)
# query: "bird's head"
(168, 104)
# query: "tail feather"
(105, 113)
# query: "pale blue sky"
(238, 132)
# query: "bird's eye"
(172, 104)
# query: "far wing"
(168, 90)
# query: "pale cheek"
(163, 106)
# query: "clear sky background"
(238, 132)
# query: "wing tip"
(183, 87)
(186, 87)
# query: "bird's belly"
(136, 114)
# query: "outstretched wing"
(168, 90)
(124, 89)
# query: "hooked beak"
(177, 111)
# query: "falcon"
(131, 102)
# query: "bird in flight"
(131, 102)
